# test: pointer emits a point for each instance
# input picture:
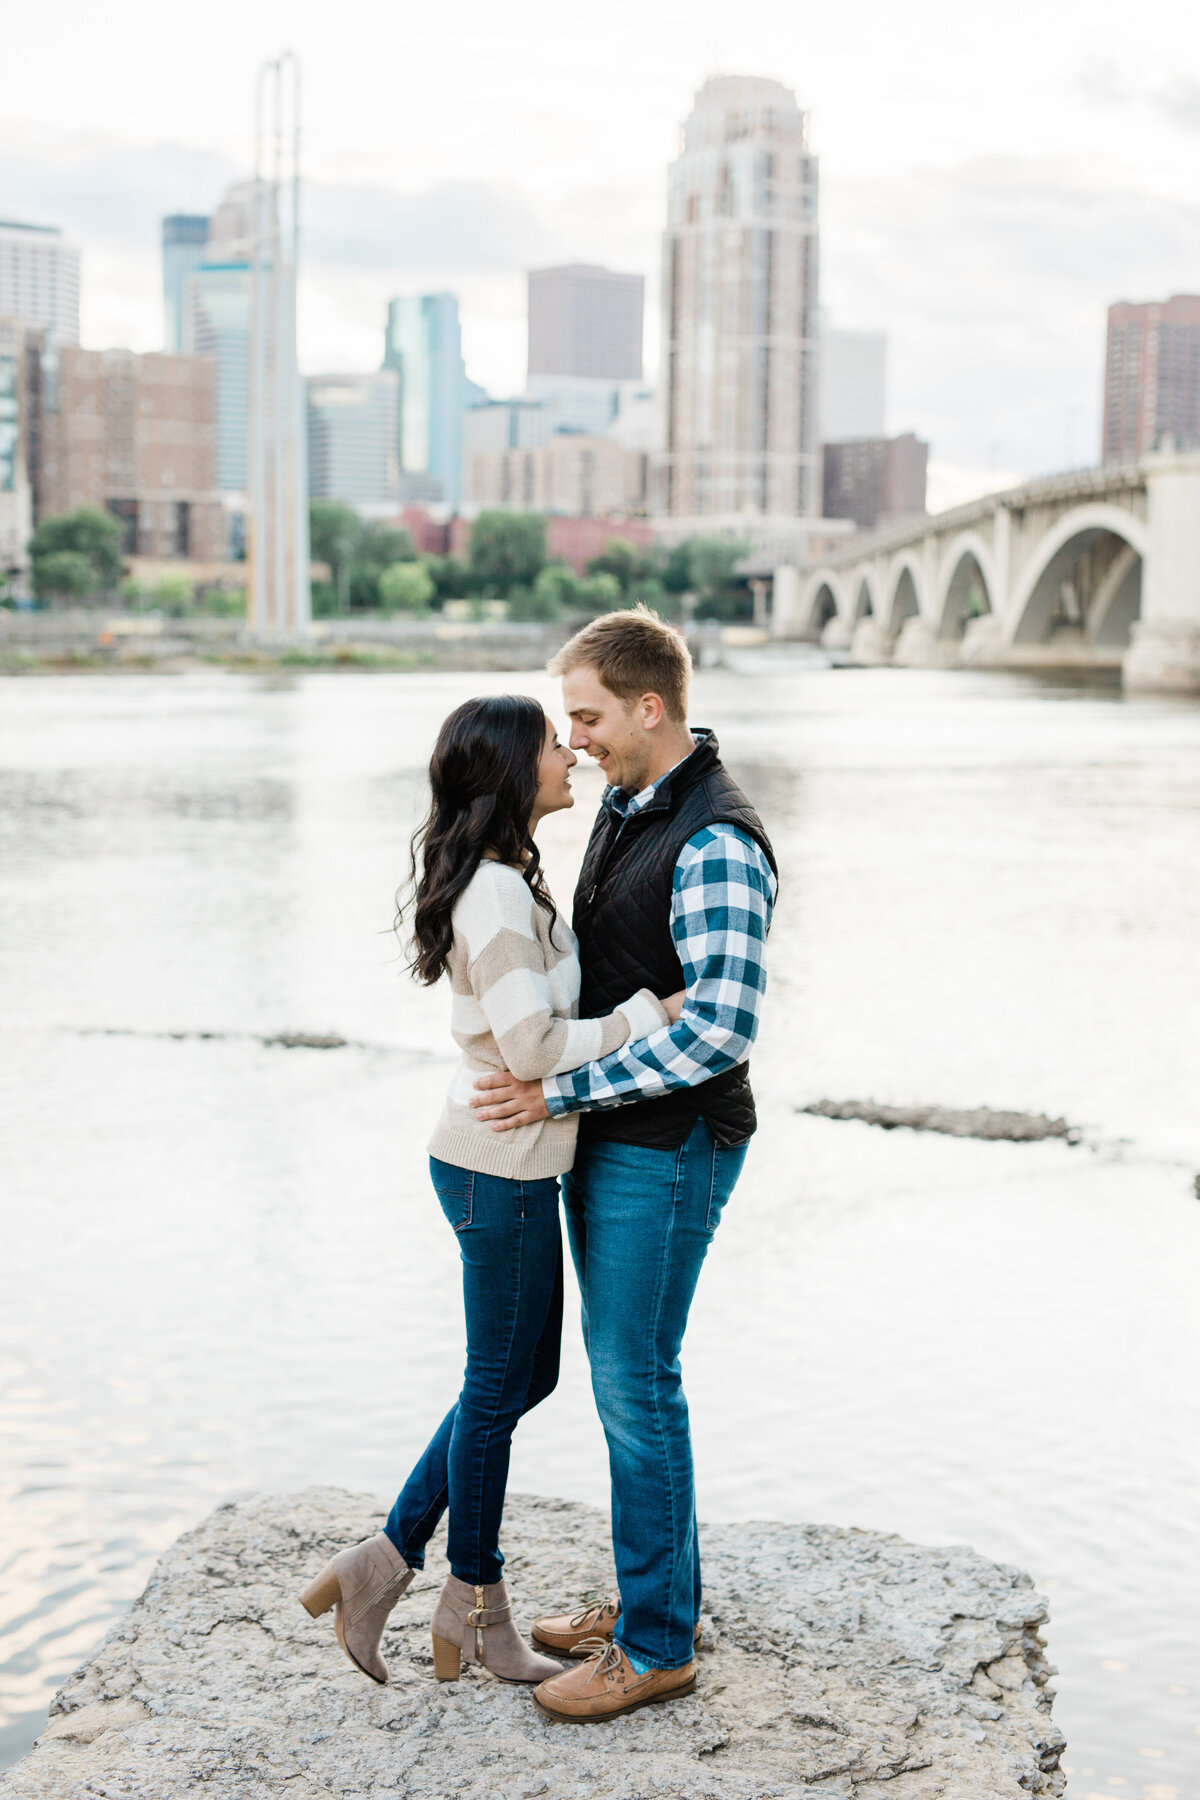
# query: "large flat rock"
(837, 1663)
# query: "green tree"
(630, 565)
(333, 533)
(706, 569)
(677, 572)
(507, 550)
(538, 605)
(175, 594)
(64, 575)
(379, 546)
(86, 532)
(600, 593)
(406, 587)
(452, 578)
(556, 590)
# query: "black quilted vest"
(623, 922)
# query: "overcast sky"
(991, 177)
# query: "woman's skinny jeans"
(511, 1248)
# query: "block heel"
(447, 1659)
(321, 1594)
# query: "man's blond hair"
(634, 653)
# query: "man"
(676, 890)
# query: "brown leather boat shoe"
(607, 1685)
(565, 1632)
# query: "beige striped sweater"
(516, 996)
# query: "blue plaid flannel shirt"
(722, 895)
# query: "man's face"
(611, 731)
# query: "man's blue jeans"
(640, 1223)
(511, 1247)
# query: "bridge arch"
(905, 585)
(864, 595)
(820, 602)
(1082, 577)
(966, 585)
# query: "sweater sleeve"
(510, 991)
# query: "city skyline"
(984, 224)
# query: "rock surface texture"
(836, 1663)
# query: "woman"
(484, 916)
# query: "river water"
(991, 895)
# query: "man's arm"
(722, 896)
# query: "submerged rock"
(836, 1663)
(974, 1121)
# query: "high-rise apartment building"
(39, 280)
(853, 385)
(217, 308)
(739, 361)
(353, 439)
(1152, 377)
(586, 321)
(137, 437)
(874, 480)
(20, 346)
(424, 346)
(217, 316)
(184, 248)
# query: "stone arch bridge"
(1100, 567)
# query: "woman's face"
(554, 776)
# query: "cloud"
(108, 194)
(1180, 103)
(993, 279)
(101, 192)
(458, 225)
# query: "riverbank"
(842, 1664)
(92, 642)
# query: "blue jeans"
(511, 1248)
(640, 1223)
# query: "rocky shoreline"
(840, 1664)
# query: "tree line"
(375, 567)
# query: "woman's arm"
(510, 988)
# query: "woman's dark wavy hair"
(483, 779)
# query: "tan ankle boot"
(364, 1583)
(474, 1625)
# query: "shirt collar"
(625, 804)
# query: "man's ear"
(652, 711)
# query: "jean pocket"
(455, 1189)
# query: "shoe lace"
(604, 1652)
(593, 1613)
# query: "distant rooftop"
(20, 225)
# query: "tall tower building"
(39, 280)
(586, 321)
(1152, 377)
(216, 309)
(184, 247)
(352, 439)
(739, 362)
(424, 346)
(217, 304)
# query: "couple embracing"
(611, 1058)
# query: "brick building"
(137, 437)
(573, 474)
(1151, 377)
(874, 480)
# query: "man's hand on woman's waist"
(509, 1102)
